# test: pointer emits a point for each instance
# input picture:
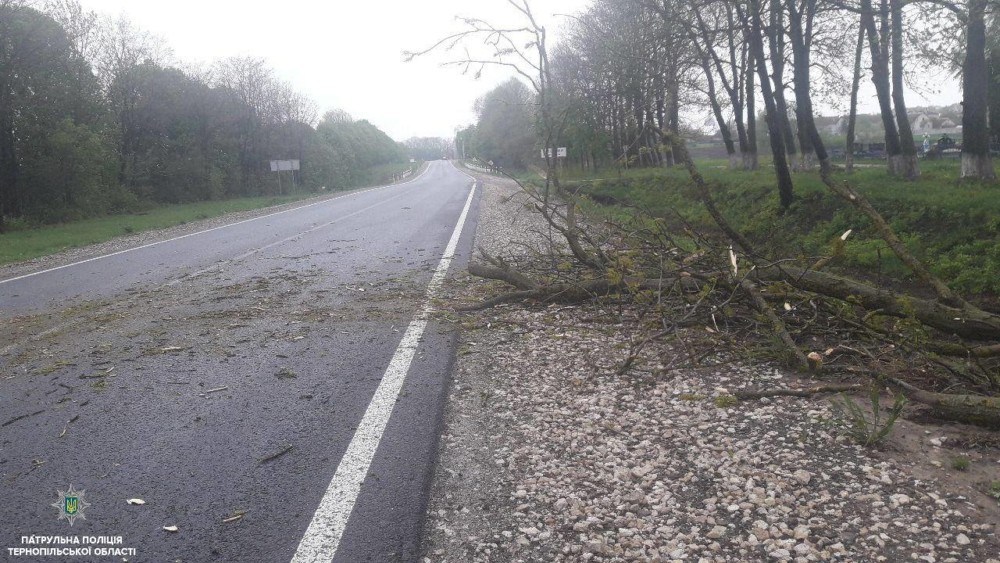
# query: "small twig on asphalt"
(273, 457)
(237, 515)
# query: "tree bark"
(781, 170)
(750, 160)
(800, 30)
(976, 160)
(880, 77)
(745, 394)
(852, 119)
(965, 321)
(906, 163)
(776, 43)
(975, 409)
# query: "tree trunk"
(750, 161)
(673, 114)
(906, 166)
(974, 409)
(731, 84)
(720, 120)
(855, 85)
(880, 77)
(967, 322)
(976, 161)
(781, 170)
(800, 26)
(8, 163)
(776, 42)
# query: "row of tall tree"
(630, 69)
(95, 117)
(504, 133)
(429, 148)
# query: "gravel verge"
(548, 455)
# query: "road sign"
(559, 152)
(284, 165)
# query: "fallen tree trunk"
(861, 203)
(504, 274)
(974, 409)
(746, 394)
(960, 350)
(795, 354)
(559, 292)
(967, 321)
(566, 292)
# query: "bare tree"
(852, 118)
(722, 29)
(250, 82)
(751, 16)
(121, 52)
(82, 26)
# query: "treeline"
(429, 148)
(95, 117)
(630, 70)
(504, 130)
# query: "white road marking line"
(40, 272)
(322, 538)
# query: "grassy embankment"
(953, 225)
(31, 242)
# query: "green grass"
(25, 244)
(383, 174)
(953, 225)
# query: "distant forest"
(96, 117)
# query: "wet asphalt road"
(220, 377)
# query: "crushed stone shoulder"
(549, 455)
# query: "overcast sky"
(348, 55)
(345, 55)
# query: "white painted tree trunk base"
(904, 166)
(978, 166)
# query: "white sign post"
(280, 166)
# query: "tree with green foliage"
(47, 94)
(504, 131)
(94, 118)
(429, 148)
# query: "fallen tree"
(722, 282)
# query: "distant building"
(931, 121)
(934, 124)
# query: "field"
(953, 225)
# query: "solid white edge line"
(377, 188)
(322, 537)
